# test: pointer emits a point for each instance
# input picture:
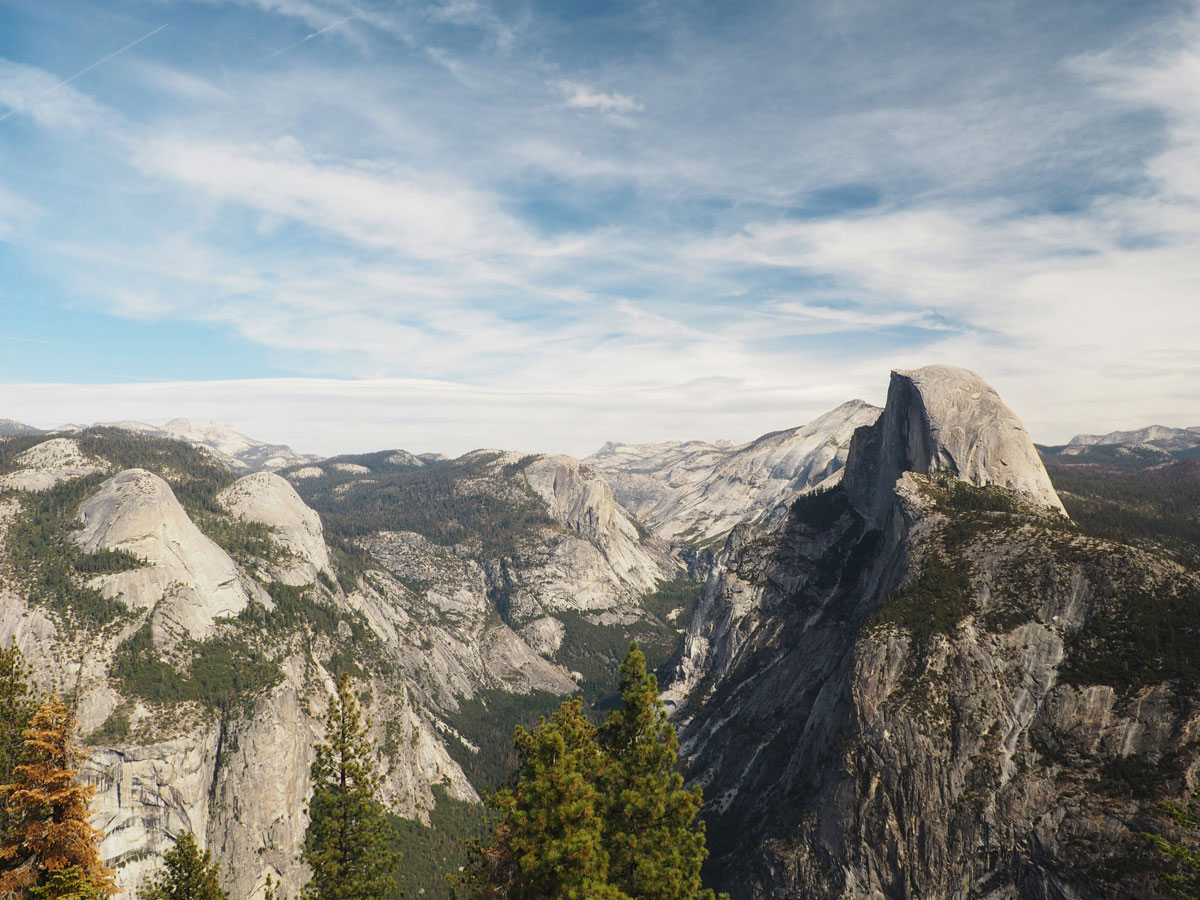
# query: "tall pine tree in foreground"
(349, 840)
(656, 843)
(17, 706)
(187, 874)
(549, 844)
(52, 851)
(595, 816)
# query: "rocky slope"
(548, 542)
(200, 619)
(927, 683)
(697, 492)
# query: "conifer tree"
(52, 848)
(549, 841)
(17, 706)
(656, 844)
(187, 874)
(598, 815)
(1179, 875)
(349, 840)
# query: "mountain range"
(901, 662)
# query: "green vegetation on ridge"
(458, 501)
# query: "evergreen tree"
(187, 874)
(349, 838)
(1179, 876)
(17, 706)
(655, 842)
(598, 815)
(52, 847)
(549, 841)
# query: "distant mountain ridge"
(241, 454)
(698, 492)
(1136, 449)
(1159, 435)
(11, 428)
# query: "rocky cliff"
(199, 621)
(927, 683)
(698, 492)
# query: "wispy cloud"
(400, 201)
(580, 96)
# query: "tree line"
(590, 813)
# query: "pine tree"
(656, 844)
(17, 706)
(187, 874)
(349, 840)
(549, 841)
(53, 848)
(599, 815)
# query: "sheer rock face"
(268, 499)
(843, 754)
(189, 580)
(579, 500)
(699, 492)
(942, 418)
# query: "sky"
(347, 225)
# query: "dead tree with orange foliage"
(52, 851)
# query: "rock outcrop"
(943, 418)
(187, 579)
(268, 499)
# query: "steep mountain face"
(698, 492)
(926, 682)
(943, 419)
(200, 618)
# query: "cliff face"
(203, 620)
(944, 419)
(698, 492)
(921, 683)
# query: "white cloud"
(580, 96)
(329, 416)
(371, 204)
(51, 103)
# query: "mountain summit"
(943, 418)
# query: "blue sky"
(351, 224)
